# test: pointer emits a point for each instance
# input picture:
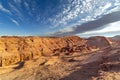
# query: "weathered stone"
(98, 42)
(15, 49)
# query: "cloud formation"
(4, 9)
(80, 11)
(17, 1)
(15, 22)
(58, 17)
(109, 28)
(92, 25)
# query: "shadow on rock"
(21, 64)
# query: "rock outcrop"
(98, 42)
(117, 38)
(17, 49)
(59, 58)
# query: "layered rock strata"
(17, 49)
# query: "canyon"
(59, 58)
(18, 49)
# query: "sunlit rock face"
(16, 49)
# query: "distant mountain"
(117, 37)
(99, 41)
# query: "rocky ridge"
(17, 49)
(68, 58)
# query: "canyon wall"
(17, 49)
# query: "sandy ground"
(99, 65)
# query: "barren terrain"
(99, 59)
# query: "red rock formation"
(98, 42)
(15, 49)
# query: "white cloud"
(107, 6)
(61, 31)
(4, 9)
(17, 12)
(67, 29)
(103, 9)
(14, 21)
(67, 14)
(88, 18)
(26, 5)
(14, 8)
(112, 27)
(17, 1)
(83, 11)
(117, 2)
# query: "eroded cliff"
(17, 49)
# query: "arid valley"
(59, 58)
(59, 39)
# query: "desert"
(59, 39)
(59, 58)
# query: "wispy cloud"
(69, 12)
(78, 11)
(4, 9)
(62, 31)
(92, 25)
(112, 27)
(26, 5)
(17, 12)
(68, 29)
(14, 21)
(17, 1)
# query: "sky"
(83, 18)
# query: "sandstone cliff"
(59, 58)
(16, 49)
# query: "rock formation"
(16, 49)
(59, 58)
(98, 42)
(117, 38)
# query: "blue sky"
(59, 17)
